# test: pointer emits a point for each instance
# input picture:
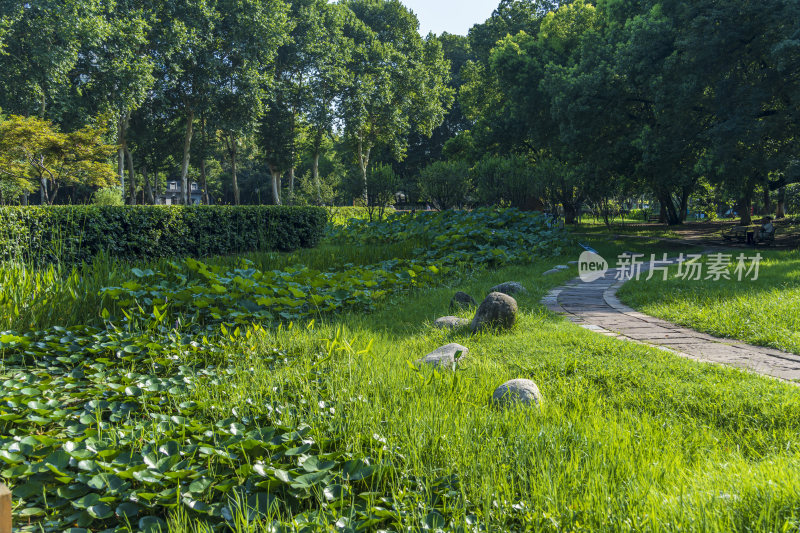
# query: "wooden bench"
(748, 234)
(654, 218)
(738, 233)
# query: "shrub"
(108, 196)
(507, 181)
(71, 234)
(446, 184)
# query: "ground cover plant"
(762, 312)
(334, 426)
(138, 334)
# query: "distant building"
(173, 194)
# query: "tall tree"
(399, 82)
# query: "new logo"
(591, 266)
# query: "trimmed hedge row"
(77, 233)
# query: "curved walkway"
(595, 306)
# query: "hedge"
(72, 234)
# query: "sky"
(452, 16)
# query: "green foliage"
(446, 184)
(108, 196)
(480, 237)
(507, 181)
(202, 294)
(104, 428)
(71, 234)
(34, 153)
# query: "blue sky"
(452, 16)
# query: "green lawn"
(763, 312)
(329, 422)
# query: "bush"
(108, 196)
(71, 234)
(446, 184)
(507, 181)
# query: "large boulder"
(497, 311)
(523, 391)
(462, 300)
(510, 287)
(444, 356)
(450, 322)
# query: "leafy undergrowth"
(202, 294)
(762, 311)
(105, 430)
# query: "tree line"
(545, 105)
(193, 88)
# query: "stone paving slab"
(594, 306)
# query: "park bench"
(654, 218)
(747, 234)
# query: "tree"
(216, 56)
(31, 149)
(398, 84)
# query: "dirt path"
(595, 306)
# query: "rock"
(551, 271)
(444, 356)
(572, 262)
(497, 310)
(510, 287)
(452, 322)
(522, 391)
(462, 300)
(561, 267)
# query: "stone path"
(595, 306)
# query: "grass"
(762, 312)
(628, 438)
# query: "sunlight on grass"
(763, 312)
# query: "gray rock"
(451, 322)
(510, 287)
(522, 391)
(462, 300)
(561, 267)
(497, 310)
(572, 262)
(551, 271)
(444, 356)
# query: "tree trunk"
(315, 174)
(315, 166)
(276, 185)
(291, 184)
(204, 182)
(187, 144)
(122, 130)
(148, 190)
(44, 197)
(684, 212)
(569, 213)
(155, 186)
(767, 202)
(780, 210)
(662, 212)
(236, 197)
(121, 169)
(363, 161)
(132, 176)
(744, 210)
